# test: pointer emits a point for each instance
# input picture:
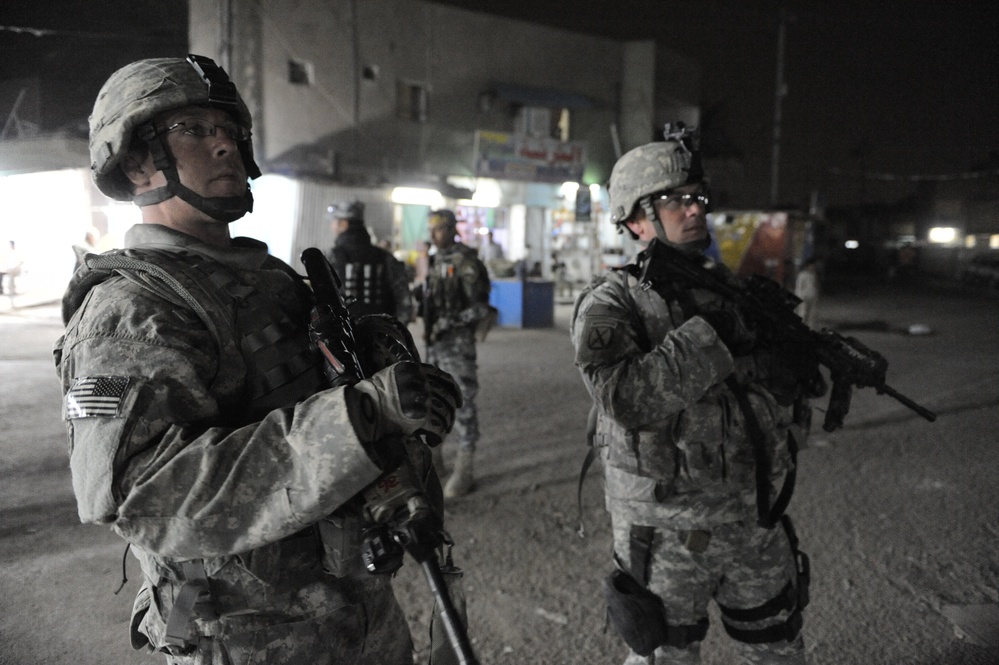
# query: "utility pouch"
(637, 613)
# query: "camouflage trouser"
(741, 566)
(373, 631)
(455, 354)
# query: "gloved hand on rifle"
(403, 399)
(732, 329)
(790, 372)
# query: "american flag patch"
(96, 397)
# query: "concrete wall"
(344, 126)
(638, 73)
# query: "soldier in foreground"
(200, 426)
(371, 276)
(697, 430)
(455, 303)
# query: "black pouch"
(637, 613)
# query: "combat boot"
(461, 481)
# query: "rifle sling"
(591, 454)
(767, 514)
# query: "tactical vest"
(366, 284)
(264, 362)
(667, 464)
(444, 281)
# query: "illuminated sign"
(517, 157)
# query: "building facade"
(409, 105)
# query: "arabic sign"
(516, 157)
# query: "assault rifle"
(769, 311)
(395, 503)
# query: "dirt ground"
(899, 516)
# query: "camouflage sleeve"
(637, 387)
(149, 453)
(475, 283)
(399, 283)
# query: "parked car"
(981, 270)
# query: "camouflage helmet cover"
(134, 95)
(648, 169)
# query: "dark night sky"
(893, 88)
(889, 88)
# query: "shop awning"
(541, 97)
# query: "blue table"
(524, 303)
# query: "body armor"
(264, 362)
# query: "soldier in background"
(807, 287)
(374, 278)
(455, 303)
(200, 425)
(695, 434)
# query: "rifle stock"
(770, 310)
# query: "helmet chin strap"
(691, 247)
(226, 209)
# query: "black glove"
(445, 398)
(732, 330)
(395, 400)
(789, 372)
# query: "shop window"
(543, 122)
(411, 101)
(299, 72)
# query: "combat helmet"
(652, 169)
(352, 211)
(125, 108)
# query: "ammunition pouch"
(638, 614)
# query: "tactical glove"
(395, 400)
(732, 330)
(789, 373)
(445, 398)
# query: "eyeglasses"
(676, 201)
(202, 129)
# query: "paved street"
(900, 516)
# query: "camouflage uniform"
(679, 465)
(373, 277)
(200, 431)
(456, 298)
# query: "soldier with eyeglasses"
(202, 428)
(676, 382)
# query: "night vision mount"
(688, 137)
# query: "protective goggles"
(677, 201)
(203, 129)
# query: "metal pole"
(225, 36)
(779, 92)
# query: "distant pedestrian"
(806, 287)
(11, 265)
(489, 249)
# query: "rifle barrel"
(918, 408)
(449, 615)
